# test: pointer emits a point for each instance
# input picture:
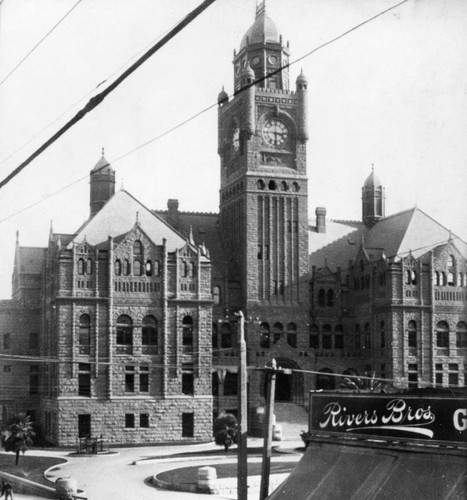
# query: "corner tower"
(373, 200)
(102, 182)
(263, 196)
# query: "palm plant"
(18, 436)
(364, 384)
(225, 430)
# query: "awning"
(330, 471)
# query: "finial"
(190, 237)
(372, 167)
(17, 237)
(137, 217)
(102, 151)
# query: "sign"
(437, 418)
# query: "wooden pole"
(267, 447)
(242, 467)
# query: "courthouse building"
(125, 328)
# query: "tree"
(225, 430)
(18, 436)
(364, 384)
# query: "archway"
(324, 381)
(289, 387)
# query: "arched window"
(460, 281)
(148, 268)
(187, 333)
(442, 335)
(452, 261)
(451, 279)
(124, 330)
(226, 336)
(461, 335)
(272, 185)
(89, 266)
(314, 337)
(265, 333)
(411, 277)
(321, 298)
(137, 268)
(214, 337)
(277, 330)
(444, 279)
(260, 185)
(437, 278)
(184, 269)
(327, 337)
(216, 294)
(81, 266)
(192, 269)
(339, 337)
(84, 334)
(330, 298)
(126, 267)
(137, 249)
(412, 334)
(292, 334)
(157, 268)
(149, 331)
(118, 267)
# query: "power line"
(97, 99)
(259, 80)
(39, 42)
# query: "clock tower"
(263, 193)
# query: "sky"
(392, 93)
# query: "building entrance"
(289, 388)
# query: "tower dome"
(223, 97)
(372, 181)
(263, 30)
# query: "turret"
(102, 183)
(373, 200)
(302, 86)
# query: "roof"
(263, 30)
(334, 470)
(205, 229)
(102, 165)
(119, 215)
(30, 260)
(396, 235)
(372, 181)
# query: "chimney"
(320, 219)
(172, 206)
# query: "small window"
(84, 379)
(129, 420)
(84, 334)
(188, 387)
(265, 336)
(226, 336)
(157, 268)
(192, 269)
(129, 379)
(148, 268)
(330, 298)
(277, 331)
(149, 331)
(188, 428)
(451, 279)
(292, 334)
(33, 380)
(216, 295)
(144, 379)
(144, 420)
(260, 185)
(214, 337)
(89, 266)
(118, 267)
(314, 337)
(137, 248)
(126, 267)
(187, 331)
(137, 268)
(461, 335)
(81, 266)
(442, 335)
(321, 298)
(124, 330)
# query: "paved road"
(115, 477)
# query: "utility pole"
(270, 374)
(242, 467)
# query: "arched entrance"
(324, 381)
(289, 387)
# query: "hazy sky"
(392, 94)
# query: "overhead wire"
(98, 98)
(39, 42)
(196, 115)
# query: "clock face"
(255, 61)
(275, 132)
(236, 139)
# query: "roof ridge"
(186, 212)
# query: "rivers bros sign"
(401, 416)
